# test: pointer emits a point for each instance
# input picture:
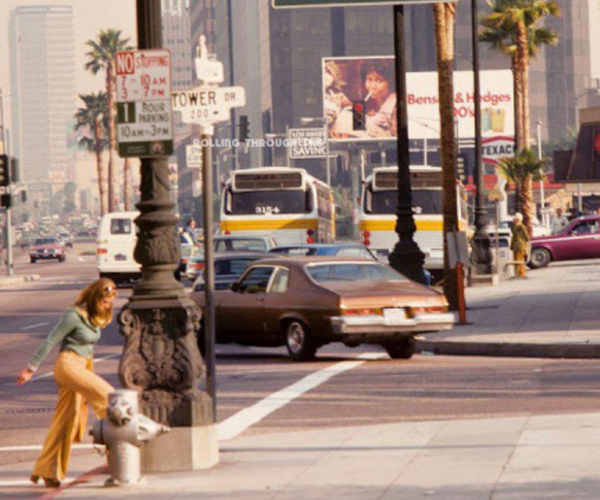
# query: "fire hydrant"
(123, 432)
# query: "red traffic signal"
(359, 119)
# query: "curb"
(17, 280)
(510, 350)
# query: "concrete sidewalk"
(519, 458)
(552, 314)
(17, 279)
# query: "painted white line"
(49, 374)
(242, 420)
(38, 447)
(29, 483)
(34, 326)
(81, 259)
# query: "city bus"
(378, 212)
(285, 203)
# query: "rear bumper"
(365, 325)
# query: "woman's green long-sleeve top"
(74, 332)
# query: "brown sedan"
(305, 303)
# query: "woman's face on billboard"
(328, 79)
(377, 86)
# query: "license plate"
(395, 314)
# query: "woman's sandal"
(48, 481)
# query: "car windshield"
(295, 251)
(349, 271)
(46, 241)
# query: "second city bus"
(378, 212)
(285, 203)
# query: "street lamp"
(307, 121)
(482, 255)
(542, 192)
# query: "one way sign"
(206, 105)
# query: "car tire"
(300, 345)
(540, 257)
(32, 260)
(401, 349)
(62, 258)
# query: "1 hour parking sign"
(144, 116)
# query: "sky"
(90, 17)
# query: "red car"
(47, 249)
(579, 240)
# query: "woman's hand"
(24, 376)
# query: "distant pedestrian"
(77, 332)
(190, 229)
(558, 222)
(519, 243)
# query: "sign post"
(144, 117)
(205, 106)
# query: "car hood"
(376, 294)
(47, 247)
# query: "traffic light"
(359, 121)
(244, 128)
(5, 201)
(4, 171)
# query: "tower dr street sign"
(206, 105)
(287, 4)
(144, 117)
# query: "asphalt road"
(377, 391)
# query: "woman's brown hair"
(89, 299)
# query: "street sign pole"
(209, 267)
(205, 106)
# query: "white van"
(116, 242)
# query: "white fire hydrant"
(123, 432)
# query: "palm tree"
(102, 56)
(521, 170)
(444, 17)
(513, 29)
(93, 116)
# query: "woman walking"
(77, 332)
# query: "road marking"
(34, 326)
(84, 478)
(49, 374)
(242, 420)
(25, 482)
(81, 259)
(38, 447)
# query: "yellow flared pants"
(520, 256)
(78, 385)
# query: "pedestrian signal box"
(359, 121)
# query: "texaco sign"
(495, 148)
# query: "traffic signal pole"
(9, 252)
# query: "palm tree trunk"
(112, 137)
(100, 167)
(518, 93)
(526, 187)
(128, 188)
(444, 28)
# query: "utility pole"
(161, 359)
(482, 255)
(6, 150)
(406, 257)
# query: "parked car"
(326, 249)
(228, 268)
(579, 240)
(47, 249)
(228, 243)
(305, 303)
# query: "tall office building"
(42, 62)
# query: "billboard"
(372, 79)
(307, 143)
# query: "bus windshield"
(425, 202)
(273, 202)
